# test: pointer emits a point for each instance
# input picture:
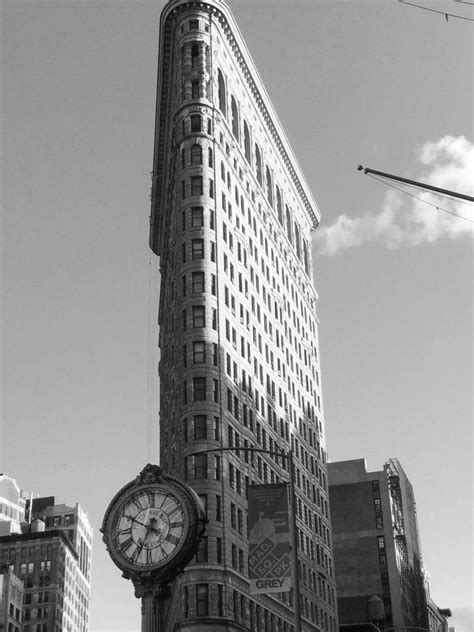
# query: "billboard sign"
(269, 539)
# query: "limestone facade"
(231, 220)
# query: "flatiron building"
(231, 220)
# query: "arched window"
(222, 95)
(297, 241)
(269, 186)
(279, 206)
(258, 164)
(196, 154)
(248, 153)
(288, 224)
(305, 258)
(235, 118)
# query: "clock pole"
(149, 612)
(154, 598)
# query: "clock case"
(165, 571)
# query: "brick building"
(377, 549)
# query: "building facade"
(376, 544)
(51, 556)
(12, 506)
(11, 600)
(231, 220)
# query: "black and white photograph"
(236, 315)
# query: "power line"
(446, 15)
(446, 197)
(438, 208)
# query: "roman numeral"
(125, 530)
(149, 556)
(176, 525)
(163, 552)
(172, 538)
(176, 509)
(126, 544)
(137, 503)
(165, 498)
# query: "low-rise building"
(377, 548)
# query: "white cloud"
(402, 221)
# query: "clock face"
(149, 527)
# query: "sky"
(378, 83)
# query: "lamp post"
(292, 501)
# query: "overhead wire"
(438, 208)
(443, 195)
(446, 15)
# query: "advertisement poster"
(269, 539)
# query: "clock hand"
(135, 520)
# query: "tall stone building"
(231, 220)
(49, 554)
(377, 547)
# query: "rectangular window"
(216, 391)
(196, 185)
(196, 121)
(379, 522)
(197, 216)
(197, 248)
(216, 428)
(217, 468)
(241, 561)
(218, 509)
(377, 504)
(220, 600)
(199, 319)
(199, 389)
(375, 486)
(219, 550)
(211, 188)
(200, 466)
(198, 282)
(202, 600)
(381, 542)
(200, 426)
(199, 352)
(194, 95)
(202, 553)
